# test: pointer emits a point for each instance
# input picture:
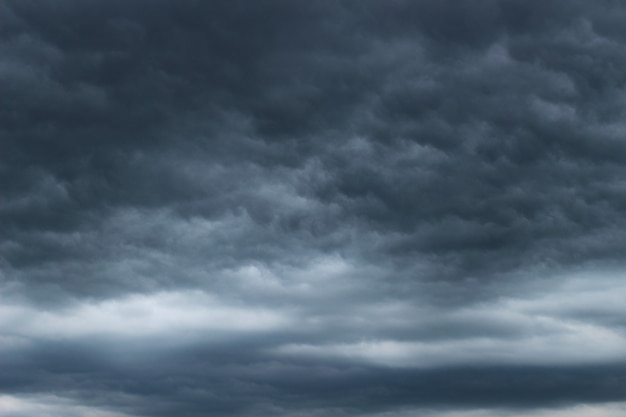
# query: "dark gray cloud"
(313, 208)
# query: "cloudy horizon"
(327, 208)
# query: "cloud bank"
(313, 208)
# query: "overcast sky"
(373, 208)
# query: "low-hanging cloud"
(312, 208)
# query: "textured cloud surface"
(322, 208)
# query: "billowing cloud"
(313, 208)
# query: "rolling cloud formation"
(323, 208)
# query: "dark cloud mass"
(313, 208)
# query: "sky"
(313, 208)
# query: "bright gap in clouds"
(569, 322)
(52, 406)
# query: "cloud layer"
(313, 208)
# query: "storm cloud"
(313, 208)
